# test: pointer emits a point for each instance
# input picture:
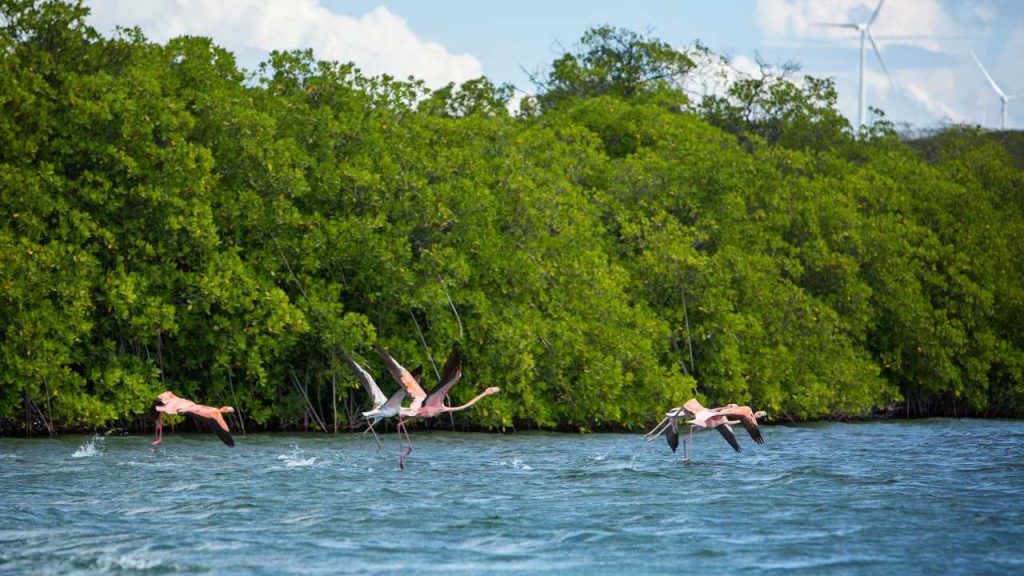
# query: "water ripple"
(933, 496)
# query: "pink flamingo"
(383, 407)
(207, 416)
(747, 417)
(705, 418)
(432, 405)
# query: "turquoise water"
(924, 497)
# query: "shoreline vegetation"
(617, 243)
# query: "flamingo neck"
(467, 404)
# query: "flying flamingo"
(432, 405)
(383, 408)
(747, 417)
(717, 418)
(207, 416)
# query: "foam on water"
(127, 562)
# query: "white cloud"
(377, 42)
(517, 99)
(1010, 65)
(920, 23)
(982, 12)
(714, 74)
(930, 91)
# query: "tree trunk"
(28, 416)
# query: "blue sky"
(925, 44)
(529, 34)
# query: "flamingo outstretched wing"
(726, 431)
(747, 419)
(368, 382)
(693, 406)
(403, 376)
(452, 365)
(672, 435)
(452, 374)
(395, 401)
(211, 419)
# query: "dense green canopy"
(170, 221)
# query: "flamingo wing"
(395, 402)
(403, 376)
(211, 419)
(726, 431)
(693, 406)
(746, 417)
(436, 397)
(367, 380)
(752, 428)
(672, 435)
(451, 366)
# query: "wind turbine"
(865, 32)
(1002, 95)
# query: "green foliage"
(780, 110)
(619, 63)
(168, 221)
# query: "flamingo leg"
(159, 432)
(665, 422)
(375, 437)
(657, 429)
(407, 439)
(398, 430)
(686, 445)
(402, 454)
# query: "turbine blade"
(837, 24)
(880, 61)
(936, 37)
(875, 15)
(987, 77)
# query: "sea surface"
(920, 497)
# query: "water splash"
(516, 463)
(604, 456)
(92, 447)
(296, 457)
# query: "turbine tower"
(864, 28)
(1002, 95)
